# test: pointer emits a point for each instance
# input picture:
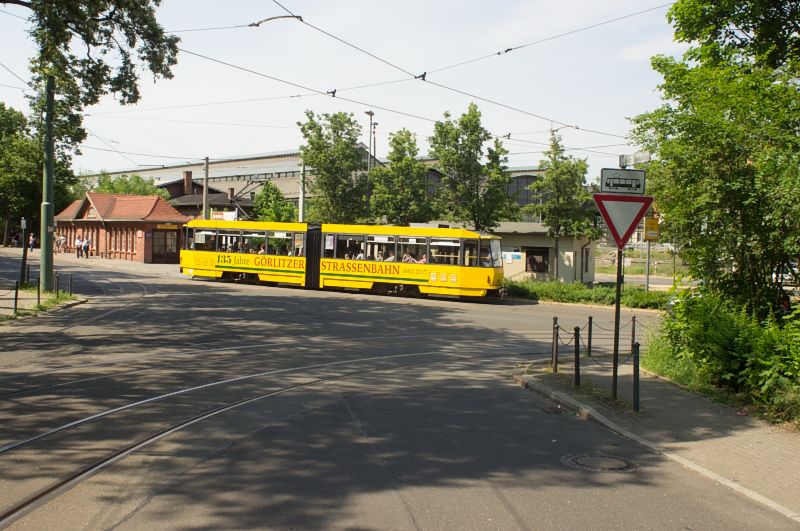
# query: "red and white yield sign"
(622, 213)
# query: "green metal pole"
(46, 232)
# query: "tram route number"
(232, 260)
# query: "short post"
(633, 331)
(577, 356)
(16, 296)
(27, 274)
(38, 291)
(554, 359)
(636, 377)
(70, 284)
(589, 339)
(58, 284)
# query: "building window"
(537, 259)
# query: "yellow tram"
(377, 258)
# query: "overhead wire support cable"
(15, 75)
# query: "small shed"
(529, 252)
(138, 228)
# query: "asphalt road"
(355, 412)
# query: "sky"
(571, 69)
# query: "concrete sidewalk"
(746, 454)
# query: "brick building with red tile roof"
(127, 227)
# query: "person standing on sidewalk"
(31, 242)
(87, 247)
(78, 246)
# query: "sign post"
(650, 235)
(622, 214)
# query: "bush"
(721, 344)
(633, 297)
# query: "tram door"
(313, 251)
(165, 246)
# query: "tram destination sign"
(621, 181)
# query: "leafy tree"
(562, 196)
(128, 185)
(332, 150)
(727, 182)
(21, 162)
(94, 48)
(270, 205)
(399, 190)
(764, 31)
(472, 191)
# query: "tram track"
(80, 473)
(240, 351)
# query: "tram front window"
(491, 256)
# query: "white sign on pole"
(618, 181)
(640, 157)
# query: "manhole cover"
(597, 463)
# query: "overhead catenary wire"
(547, 39)
(101, 139)
(298, 85)
(187, 159)
(423, 76)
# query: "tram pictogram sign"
(622, 214)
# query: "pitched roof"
(119, 207)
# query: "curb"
(588, 413)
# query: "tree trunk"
(555, 268)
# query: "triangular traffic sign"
(622, 213)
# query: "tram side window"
(328, 245)
(203, 240)
(412, 249)
(350, 246)
(299, 244)
(381, 248)
(253, 242)
(470, 253)
(279, 242)
(229, 241)
(444, 251)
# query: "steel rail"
(21, 508)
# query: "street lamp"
(369, 113)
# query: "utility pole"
(302, 209)
(205, 189)
(46, 227)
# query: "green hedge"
(632, 296)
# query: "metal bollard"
(38, 290)
(27, 274)
(554, 358)
(70, 284)
(16, 296)
(589, 339)
(633, 331)
(58, 284)
(577, 356)
(636, 376)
